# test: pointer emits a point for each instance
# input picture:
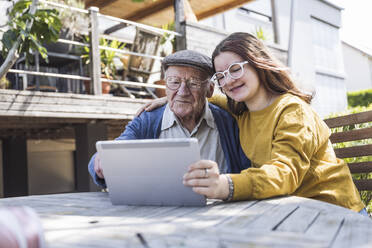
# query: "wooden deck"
(29, 113)
(89, 220)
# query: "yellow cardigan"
(288, 144)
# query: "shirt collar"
(169, 118)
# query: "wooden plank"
(67, 108)
(57, 102)
(155, 7)
(354, 151)
(99, 4)
(363, 184)
(69, 115)
(45, 110)
(278, 215)
(213, 215)
(270, 239)
(360, 167)
(326, 226)
(349, 119)
(67, 133)
(77, 99)
(94, 52)
(242, 220)
(352, 135)
(30, 94)
(299, 221)
(354, 233)
(221, 8)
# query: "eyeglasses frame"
(187, 83)
(227, 72)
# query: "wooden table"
(89, 220)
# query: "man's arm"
(133, 130)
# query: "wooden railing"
(363, 148)
(95, 65)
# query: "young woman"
(287, 142)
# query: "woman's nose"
(227, 80)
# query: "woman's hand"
(205, 179)
(153, 104)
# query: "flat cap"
(189, 58)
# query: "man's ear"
(210, 90)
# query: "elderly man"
(187, 115)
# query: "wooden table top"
(90, 220)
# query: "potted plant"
(74, 25)
(4, 83)
(107, 57)
(29, 28)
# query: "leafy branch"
(29, 29)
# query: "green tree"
(29, 29)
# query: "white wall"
(315, 54)
(236, 20)
(358, 66)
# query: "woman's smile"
(235, 88)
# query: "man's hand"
(205, 179)
(97, 167)
(153, 104)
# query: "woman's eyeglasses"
(235, 71)
(174, 83)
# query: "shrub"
(359, 98)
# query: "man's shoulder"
(153, 114)
(219, 111)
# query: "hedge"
(359, 98)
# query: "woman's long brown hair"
(272, 74)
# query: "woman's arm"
(293, 146)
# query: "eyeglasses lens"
(235, 71)
(174, 83)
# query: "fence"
(140, 58)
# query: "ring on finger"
(205, 172)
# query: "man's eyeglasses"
(174, 83)
(235, 71)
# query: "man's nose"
(183, 89)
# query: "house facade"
(308, 31)
(358, 67)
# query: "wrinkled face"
(187, 101)
(246, 88)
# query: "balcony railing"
(141, 51)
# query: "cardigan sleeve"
(294, 143)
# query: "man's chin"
(182, 112)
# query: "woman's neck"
(261, 101)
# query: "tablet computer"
(150, 171)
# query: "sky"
(356, 22)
